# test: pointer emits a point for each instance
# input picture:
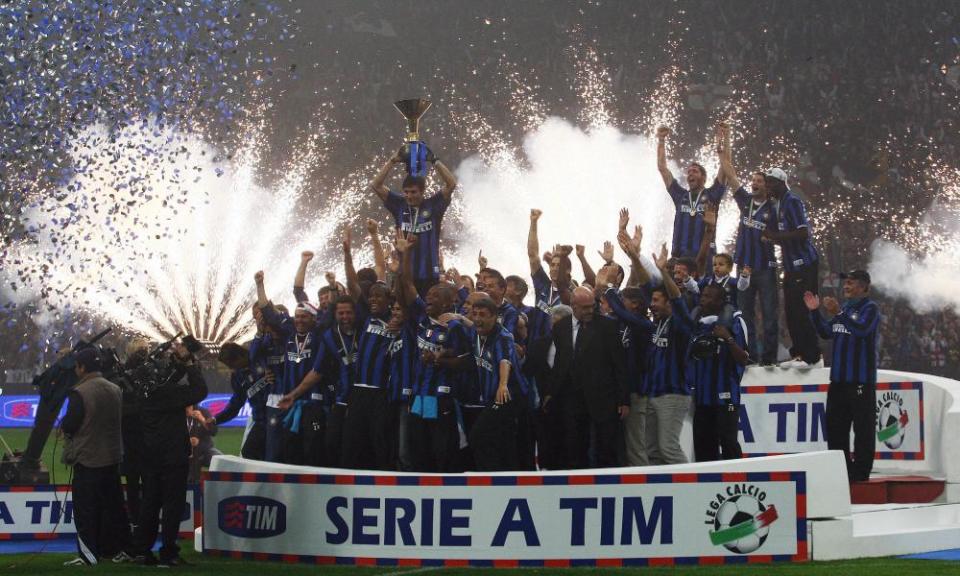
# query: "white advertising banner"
(46, 512)
(526, 520)
(790, 419)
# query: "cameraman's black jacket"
(166, 441)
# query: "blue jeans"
(765, 282)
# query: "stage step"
(896, 489)
(886, 530)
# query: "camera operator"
(93, 447)
(167, 442)
(131, 426)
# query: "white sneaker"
(122, 557)
(75, 562)
(792, 363)
(805, 366)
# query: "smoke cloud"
(927, 283)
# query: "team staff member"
(591, 381)
(93, 447)
(715, 365)
(422, 217)
(851, 398)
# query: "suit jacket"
(596, 369)
(535, 366)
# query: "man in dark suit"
(538, 367)
(591, 381)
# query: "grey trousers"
(634, 431)
(664, 421)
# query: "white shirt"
(576, 329)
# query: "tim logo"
(18, 411)
(252, 517)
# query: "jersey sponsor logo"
(661, 342)
(417, 229)
(378, 330)
(396, 346)
(484, 363)
(755, 224)
(840, 329)
(251, 517)
(257, 386)
(275, 360)
(685, 207)
(425, 344)
(298, 357)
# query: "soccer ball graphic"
(890, 416)
(737, 510)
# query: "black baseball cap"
(861, 275)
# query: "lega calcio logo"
(892, 420)
(252, 517)
(740, 518)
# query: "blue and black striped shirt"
(854, 334)
(715, 381)
(435, 380)
(538, 315)
(424, 221)
(300, 350)
(688, 226)
(792, 215)
(488, 353)
(755, 217)
(373, 347)
(336, 361)
(667, 350)
(403, 359)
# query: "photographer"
(93, 447)
(167, 442)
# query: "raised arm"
(407, 291)
(709, 237)
(449, 180)
(379, 257)
(620, 311)
(589, 276)
(299, 281)
(812, 302)
(662, 133)
(661, 261)
(262, 300)
(631, 246)
(728, 174)
(379, 185)
(533, 242)
(353, 282)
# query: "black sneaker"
(172, 562)
(146, 560)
